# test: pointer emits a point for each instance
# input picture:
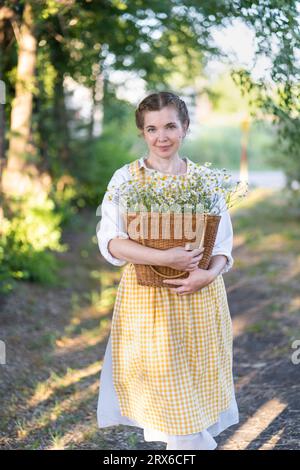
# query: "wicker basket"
(151, 229)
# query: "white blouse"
(111, 224)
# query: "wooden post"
(245, 125)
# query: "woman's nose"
(162, 136)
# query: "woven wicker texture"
(151, 230)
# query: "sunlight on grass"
(75, 304)
(44, 390)
(101, 301)
(106, 301)
(245, 380)
(293, 270)
(294, 306)
(271, 443)
(243, 322)
(65, 411)
(254, 197)
(21, 428)
(57, 441)
(274, 241)
(87, 338)
(254, 426)
(80, 434)
(106, 278)
(269, 236)
(271, 242)
(56, 410)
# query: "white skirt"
(108, 414)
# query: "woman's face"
(163, 131)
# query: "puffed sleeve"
(224, 240)
(111, 224)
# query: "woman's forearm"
(216, 264)
(136, 253)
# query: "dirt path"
(56, 338)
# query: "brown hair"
(157, 101)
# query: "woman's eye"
(170, 127)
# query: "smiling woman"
(168, 362)
(163, 130)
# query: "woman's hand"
(182, 259)
(197, 279)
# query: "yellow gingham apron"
(171, 355)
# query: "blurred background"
(71, 75)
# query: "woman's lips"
(165, 147)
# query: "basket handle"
(182, 272)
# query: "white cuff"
(229, 263)
(103, 246)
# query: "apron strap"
(137, 171)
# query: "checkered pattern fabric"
(172, 355)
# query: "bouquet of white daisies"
(206, 190)
(192, 203)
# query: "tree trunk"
(95, 125)
(60, 111)
(6, 15)
(61, 119)
(16, 176)
(2, 96)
